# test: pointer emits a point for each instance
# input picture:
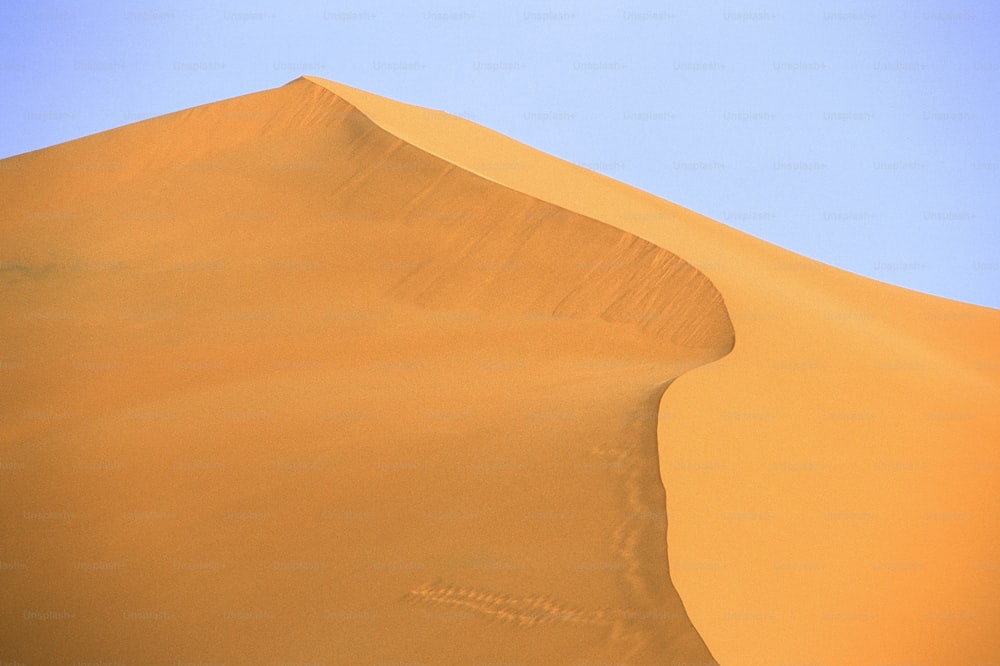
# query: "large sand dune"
(311, 376)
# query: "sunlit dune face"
(286, 387)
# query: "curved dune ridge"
(832, 481)
(282, 387)
(311, 375)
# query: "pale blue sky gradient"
(862, 134)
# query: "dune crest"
(832, 480)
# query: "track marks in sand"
(650, 622)
(524, 611)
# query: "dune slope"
(832, 482)
(280, 385)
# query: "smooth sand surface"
(311, 376)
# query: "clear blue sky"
(862, 134)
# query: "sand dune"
(832, 481)
(311, 376)
(312, 393)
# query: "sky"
(861, 134)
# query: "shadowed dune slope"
(280, 385)
(833, 481)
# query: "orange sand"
(314, 376)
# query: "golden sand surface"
(313, 376)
